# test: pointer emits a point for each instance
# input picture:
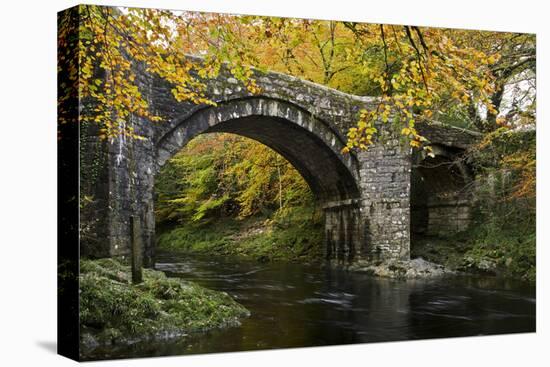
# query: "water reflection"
(295, 305)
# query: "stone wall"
(385, 210)
(447, 216)
(94, 193)
(365, 194)
(343, 230)
(441, 198)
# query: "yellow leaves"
(491, 108)
(415, 144)
(385, 112)
(148, 36)
(489, 60)
(352, 133)
(410, 83)
(362, 136)
(253, 88)
(203, 73)
(429, 151)
(415, 140)
(395, 84)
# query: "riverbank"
(114, 311)
(488, 249)
(483, 251)
(266, 241)
(297, 238)
(296, 305)
(464, 254)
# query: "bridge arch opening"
(309, 144)
(440, 198)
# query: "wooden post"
(137, 256)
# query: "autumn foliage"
(418, 73)
(479, 80)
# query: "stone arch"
(365, 196)
(310, 144)
(307, 142)
(440, 199)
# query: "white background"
(28, 183)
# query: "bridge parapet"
(447, 135)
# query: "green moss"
(199, 237)
(511, 247)
(502, 237)
(279, 243)
(114, 310)
(446, 251)
(492, 245)
(293, 236)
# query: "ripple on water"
(294, 305)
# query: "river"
(295, 305)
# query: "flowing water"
(296, 305)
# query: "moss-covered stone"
(114, 311)
(486, 249)
(402, 269)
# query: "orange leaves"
(510, 152)
(524, 163)
(421, 72)
(106, 79)
(111, 37)
(417, 72)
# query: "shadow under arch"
(307, 142)
(440, 199)
(310, 144)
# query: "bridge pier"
(385, 171)
(376, 225)
(124, 191)
(343, 234)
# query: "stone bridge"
(366, 196)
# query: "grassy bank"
(112, 310)
(502, 237)
(492, 247)
(297, 237)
